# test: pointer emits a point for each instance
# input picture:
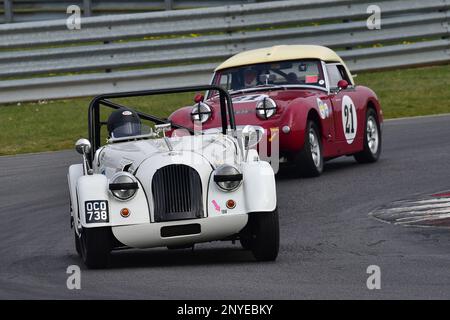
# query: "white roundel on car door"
(349, 119)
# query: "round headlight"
(123, 186)
(266, 108)
(227, 178)
(201, 112)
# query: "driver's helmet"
(124, 123)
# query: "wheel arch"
(373, 103)
(313, 115)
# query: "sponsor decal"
(349, 119)
(311, 79)
(324, 111)
(216, 206)
(127, 113)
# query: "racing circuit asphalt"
(327, 238)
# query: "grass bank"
(56, 125)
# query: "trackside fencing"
(34, 10)
(46, 60)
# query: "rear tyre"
(309, 161)
(96, 246)
(262, 235)
(372, 139)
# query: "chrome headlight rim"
(266, 108)
(201, 116)
(132, 181)
(220, 178)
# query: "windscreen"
(298, 72)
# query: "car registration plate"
(96, 211)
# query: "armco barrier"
(45, 60)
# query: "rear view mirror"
(266, 78)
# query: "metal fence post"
(9, 14)
(87, 8)
(168, 4)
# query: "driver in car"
(123, 123)
(249, 78)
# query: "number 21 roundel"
(349, 119)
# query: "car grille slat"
(177, 193)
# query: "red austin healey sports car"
(302, 99)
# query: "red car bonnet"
(245, 107)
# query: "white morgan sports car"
(169, 186)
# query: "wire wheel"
(372, 135)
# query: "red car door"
(348, 113)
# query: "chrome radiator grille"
(177, 193)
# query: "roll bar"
(226, 108)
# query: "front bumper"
(149, 235)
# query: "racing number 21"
(96, 211)
(348, 114)
(349, 119)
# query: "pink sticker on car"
(216, 206)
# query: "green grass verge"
(56, 125)
(410, 92)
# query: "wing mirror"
(199, 98)
(342, 84)
(83, 146)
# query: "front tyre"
(77, 243)
(372, 139)
(262, 235)
(246, 242)
(309, 161)
(96, 245)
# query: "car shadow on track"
(134, 258)
(287, 172)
